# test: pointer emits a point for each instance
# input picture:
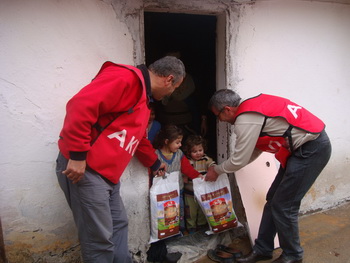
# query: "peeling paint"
(313, 193)
(57, 252)
(130, 13)
(331, 189)
(48, 56)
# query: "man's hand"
(201, 176)
(211, 174)
(75, 170)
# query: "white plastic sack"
(216, 202)
(165, 207)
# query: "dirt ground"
(325, 237)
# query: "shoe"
(281, 259)
(220, 256)
(172, 257)
(235, 252)
(253, 257)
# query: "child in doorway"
(168, 143)
(153, 125)
(195, 148)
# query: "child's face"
(197, 152)
(175, 145)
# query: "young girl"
(195, 148)
(168, 143)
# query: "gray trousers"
(280, 215)
(99, 215)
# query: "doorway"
(194, 37)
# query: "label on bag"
(165, 207)
(216, 202)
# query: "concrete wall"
(51, 49)
(300, 50)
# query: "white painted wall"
(300, 50)
(50, 49)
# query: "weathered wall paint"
(51, 49)
(299, 50)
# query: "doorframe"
(223, 131)
(227, 28)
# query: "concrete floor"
(325, 237)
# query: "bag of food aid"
(215, 199)
(165, 206)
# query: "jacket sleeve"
(187, 169)
(247, 129)
(209, 162)
(146, 154)
(112, 91)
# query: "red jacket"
(116, 98)
(296, 116)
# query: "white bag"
(165, 207)
(216, 202)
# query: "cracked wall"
(51, 49)
(298, 50)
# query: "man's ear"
(233, 110)
(169, 79)
(227, 109)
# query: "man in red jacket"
(298, 140)
(105, 125)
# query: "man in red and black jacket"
(298, 139)
(105, 125)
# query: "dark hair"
(169, 65)
(193, 140)
(168, 132)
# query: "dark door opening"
(194, 36)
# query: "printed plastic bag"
(216, 202)
(165, 207)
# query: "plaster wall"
(299, 50)
(51, 49)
